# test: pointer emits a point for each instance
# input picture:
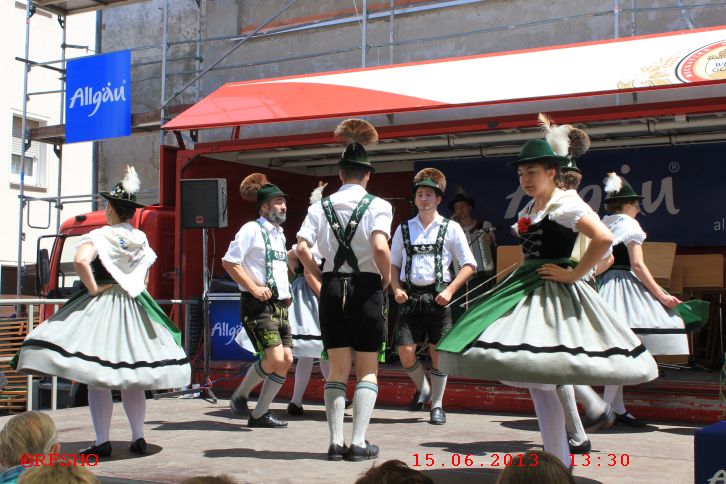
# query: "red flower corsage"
(523, 225)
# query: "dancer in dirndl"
(628, 287)
(303, 315)
(111, 335)
(543, 326)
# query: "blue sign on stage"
(224, 324)
(98, 97)
(683, 187)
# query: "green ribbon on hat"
(428, 182)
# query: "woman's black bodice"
(99, 272)
(547, 240)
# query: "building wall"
(489, 25)
(45, 35)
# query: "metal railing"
(31, 303)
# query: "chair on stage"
(509, 257)
(659, 257)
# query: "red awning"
(660, 61)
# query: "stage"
(194, 437)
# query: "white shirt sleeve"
(633, 233)
(462, 252)
(383, 217)
(398, 253)
(311, 225)
(241, 244)
(571, 211)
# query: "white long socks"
(303, 368)
(134, 402)
(551, 423)
(576, 431)
(100, 404)
(614, 396)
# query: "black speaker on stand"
(203, 205)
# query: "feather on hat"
(356, 131)
(317, 194)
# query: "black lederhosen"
(265, 322)
(361, 323)
(421, 317)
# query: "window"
(68, 280)
(34, 157)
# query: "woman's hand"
(553, 272)
(99, 289)
(669, 301)
(400, 295)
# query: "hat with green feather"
(431, 178)
(124, 192)
(618, 189)
(356, 135)
(256, 187)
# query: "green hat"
(355, 156)
(267, 192)
(570, 166)
(432, 178)
(618, 189)
(124, 192)
(538, 151)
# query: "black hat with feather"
(565, 140)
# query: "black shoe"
(348, 403)
(100, 450)
(604, 421)
(583, 448)
(268, 420)
(438, 417)
(239, 406)
(295, 410)
(357, 454)
(138, 446)
(628, 420)
(337, 452)
(418, 401)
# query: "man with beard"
(424, 247)
(257, 261)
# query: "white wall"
(45, 41)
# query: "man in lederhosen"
(424, 247)
(351, 228)
(257, 261)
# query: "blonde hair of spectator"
(221, 479)
(540, 467)
(27, 433)
(58, 475)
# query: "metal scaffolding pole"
(59, 148)
(364, 34)
(23, 147)
(164, 48)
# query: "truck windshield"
(68, 280)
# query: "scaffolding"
(153, 121)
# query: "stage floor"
(194, 437)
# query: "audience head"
(393, 472)
(540, 467)
(221, 479)
(27, 433)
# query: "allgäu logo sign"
(98, 97)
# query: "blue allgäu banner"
(684, 188)
(98, 97)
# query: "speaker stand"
(205, 390)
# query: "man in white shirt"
(257, 261)
(424, 247)
(351, 228)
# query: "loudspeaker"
(203, 203)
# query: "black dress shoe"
(100, 450)
(628, 420)
(239, 406)
(438, 417)
(268, 420)
(295, 410)
(418, 401)
(583, 448)
(348, 403)
(604, 421)
(336, 452)
(357, 454)
(138, 446)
